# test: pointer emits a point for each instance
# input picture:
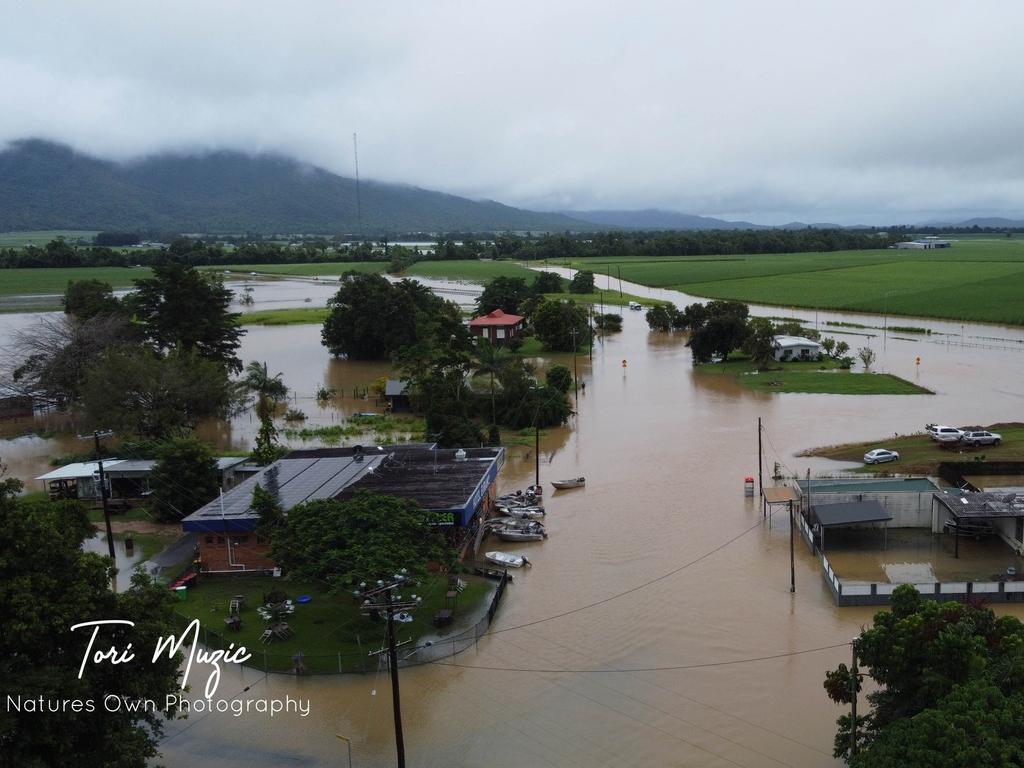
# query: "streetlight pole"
(382, 598)
(348, 743)
(575, 370)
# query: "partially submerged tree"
(561, 326)
(867, 357)
(180, 307)
(268, 391)
(560, 377)
(49, 359)
(88, 298)
(135, 391)
(716, 329)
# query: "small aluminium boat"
(523, 513)
(519, 534)
(507, 559)
(576, 482)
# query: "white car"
(943, 434)
(880, 456)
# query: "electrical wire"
(672, 668)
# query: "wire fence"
(423, 651)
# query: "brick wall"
(246, 549)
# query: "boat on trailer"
(506, 559)
(576, 482)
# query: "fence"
(846, 594)
(298, 662)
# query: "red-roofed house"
(497, 326)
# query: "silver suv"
(981, 437)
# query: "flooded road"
(656, 626)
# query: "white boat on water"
(576, 482)
(506, 559)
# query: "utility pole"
(95, 437)
(359, 202)
(792, 561)
(853, 699)
(575, 371)
(619, 267)
(760, 462)
(381, 598)
(536, 451)
(591, 307)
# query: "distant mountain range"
(653, 218)
(49, 186)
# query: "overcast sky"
(771, 111)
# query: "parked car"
(981, 437)
(636, 305)
(943, 434)
(880, 456)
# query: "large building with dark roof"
(455, 486)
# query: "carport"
(850, 513)
(975, 514)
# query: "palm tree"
(269, 391)
(491, 360)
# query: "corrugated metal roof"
(850, 512)
(79, 469)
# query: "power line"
(672, 668)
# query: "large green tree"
(47, 584)
(561, 326)
(504, 293)
(759, 345)
(437, 384)
(182, 307)
(716, 328)
(364, 538)
(88, 298)
(135, 391)
(582, 282)
(184, 479)
(547, 282)
(936, 665)
(372, 319)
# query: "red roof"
(497, 317)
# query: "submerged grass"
(415, 427)
(822, 377)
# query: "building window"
(209, 539)
(220, 539)
(260, 540)
(241, 540)
(501, 333)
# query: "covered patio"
(983, 514)
(847, 515)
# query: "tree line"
(197, 252)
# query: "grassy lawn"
(920, 454)
(32, 281)
(328, 625)
(291, 316)
(976, 279)
(818, 377)
(833, 383)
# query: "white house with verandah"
(796, 348)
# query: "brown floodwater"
(658, 566)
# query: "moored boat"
(506, 559)
(531, 513)
(576, 482)
(520, 534)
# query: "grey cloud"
(874, 111)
